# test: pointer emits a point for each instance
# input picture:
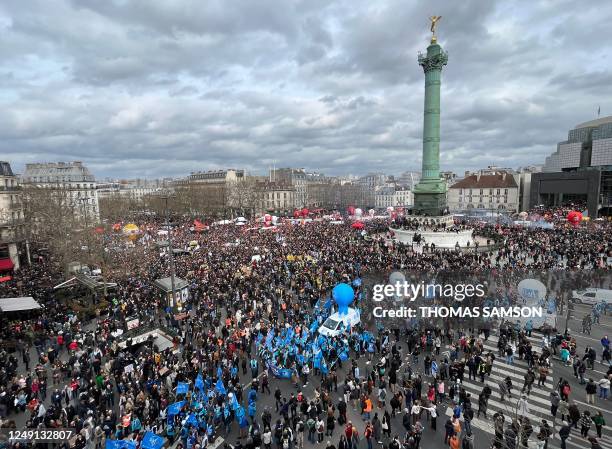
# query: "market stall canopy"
(17, 304)
(6, 264)
(88, 281)
(165, 284)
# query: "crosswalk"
(538, 400)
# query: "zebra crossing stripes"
(574, 441)
(538, 399)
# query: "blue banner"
(175, 409)
(120, 444)
(220, 387)
(191, 420)
(182, 388)
(280, 373)
(152, 441)
(199, 382)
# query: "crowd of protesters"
(59, 369)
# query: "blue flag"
(313, 327)
(289, 336)
(234, 402)
(434, 367)
(120, 444)
(152, 441)
(199, 382)
(191, 420)
(343, 356)
(220, 387)
(239, 413)
(182, 388)
(269, 339)
(175, 409)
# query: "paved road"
(539, 403)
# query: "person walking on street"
(594, 443)
(554, 403)
(545, 433)
(574, 415)
(604, 387)
(599, 422)
(564, 433)
(368, 433)
(585, 423)
(591, 390)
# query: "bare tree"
(51, 219)
(118, 207)
(242, 197)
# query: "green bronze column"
(430, 192)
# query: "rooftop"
(5, 169)
(595, 123)
(499, 180)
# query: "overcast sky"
(147, 88)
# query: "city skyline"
(153, 91)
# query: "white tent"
(17, 304)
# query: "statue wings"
(434, 20)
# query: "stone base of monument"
(442, 239)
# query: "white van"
(592, 296)
(336, 323)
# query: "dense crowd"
(66, 370)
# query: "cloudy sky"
(140, 88)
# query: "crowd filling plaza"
(256, 299)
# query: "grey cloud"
(165, 88)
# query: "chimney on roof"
(504, 176)
(478, 176)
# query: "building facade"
(579, 171)
(135, 190)
(295, 177)
(277, 198)
(12, 235)
(391, 197)
(221, 192)
(72, 180)
(408, 179)
(589, 144)
(497, 191)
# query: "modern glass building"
(580, 171)
(588, 145)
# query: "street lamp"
(165, 197)
(84, 202)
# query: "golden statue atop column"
(434, 21)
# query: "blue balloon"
(343, 296)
